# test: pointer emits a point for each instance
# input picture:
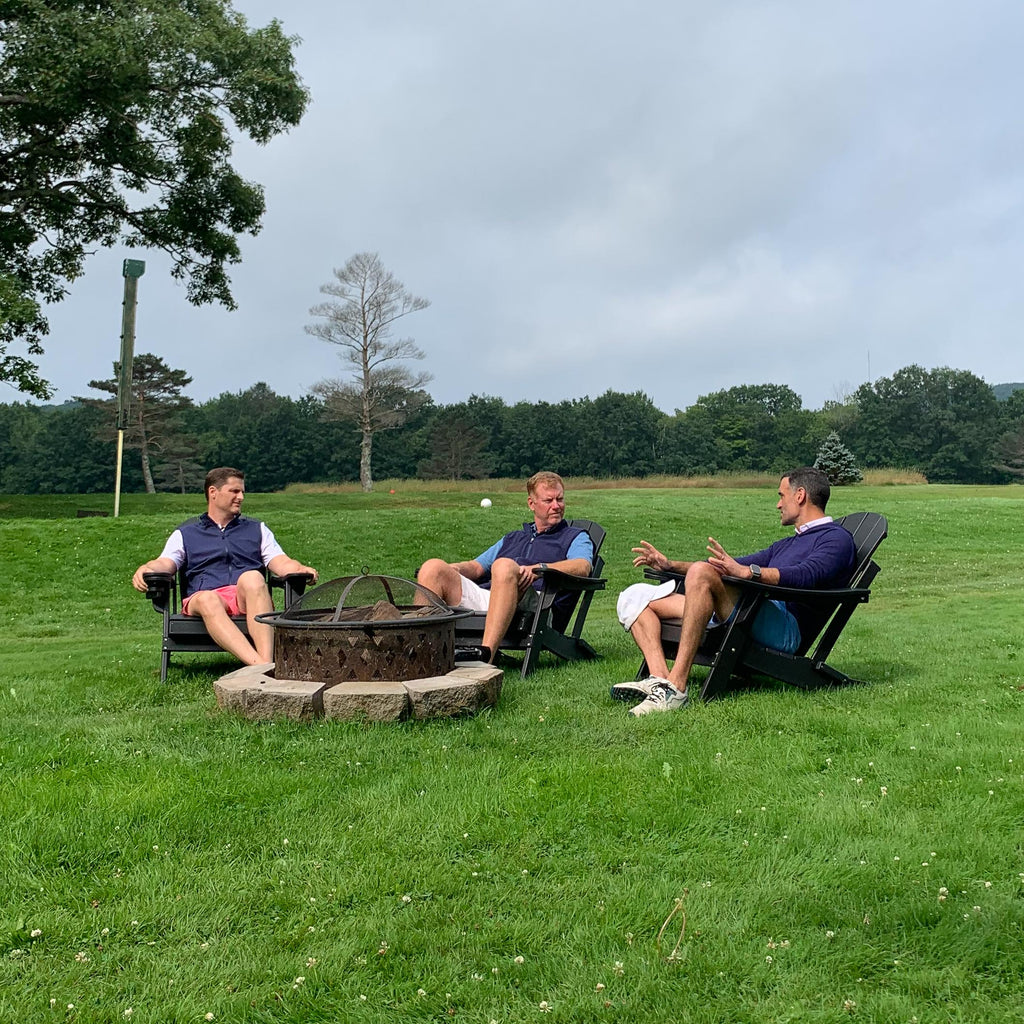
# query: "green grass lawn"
(845, 854)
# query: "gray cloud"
(673, 197)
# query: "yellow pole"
(117, 482)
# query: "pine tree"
(837, 462)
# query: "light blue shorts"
(774, 627)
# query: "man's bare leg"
(646, 631)
(503, 603)
(443, 579)
(225, 634)
(254, 599)
(705, 595)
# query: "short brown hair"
(220, 476)
(544, 478)
(813, 481)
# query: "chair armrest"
(664, 575)
(293, 584)
(159, 586)
(565, 581)
(807, 595)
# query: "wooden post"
(131, 271)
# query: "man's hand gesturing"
(647, 554)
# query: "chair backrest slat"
(868, 529)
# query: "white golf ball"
(485, 502)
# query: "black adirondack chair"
(540, 625)
(730, 650)
(187, 633)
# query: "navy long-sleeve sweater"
(820, 558)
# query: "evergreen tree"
(155, 423)
(836, 461)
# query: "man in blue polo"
(819, 554)
(223, 554)
(495, 581)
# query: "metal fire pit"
(364, 628)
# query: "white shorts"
(633, 600)
(474, 597)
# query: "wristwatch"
(755, 572)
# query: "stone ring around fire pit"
(375, 647)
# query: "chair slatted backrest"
(597, 534)
(868, 530)
(564, 613)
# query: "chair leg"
(165, 660)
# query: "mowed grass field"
(853, 854)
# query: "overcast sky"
(663, 195)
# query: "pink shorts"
(228, 596)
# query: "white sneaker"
(663, 697)
(635, 689)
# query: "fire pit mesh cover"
(365, 628)
(365, 599)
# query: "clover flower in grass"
(519, 960)
(300, 980)
(35, 933)
(544, 1006)
(849, 1005)
(311, 961)
(619, 968)
(943, 893)
(82, 957)
(128, 1012)
(209, 1016)
(421, 992)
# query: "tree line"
(945, 423)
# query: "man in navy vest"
(819, 554)
(223, 554)
(495, 581)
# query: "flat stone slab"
(374, 702)
(253, 692)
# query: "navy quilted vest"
(215, 557)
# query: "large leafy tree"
(382, 392)
(760, 427)
(116, 122)
(942, 422)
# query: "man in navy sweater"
(819, 554)
(494, 581)
(223, 554)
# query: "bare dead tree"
(381, 394)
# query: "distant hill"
(1003, 391)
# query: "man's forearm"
(571, 566)
(472, 570)
(677, 567)
(284, 565)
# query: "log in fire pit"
(364, 628)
